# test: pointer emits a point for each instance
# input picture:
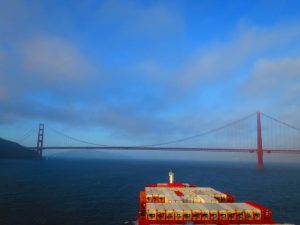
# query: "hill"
(12, 150)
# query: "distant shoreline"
(13, 150)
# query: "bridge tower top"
(40, 141)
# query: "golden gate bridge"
(271, 136)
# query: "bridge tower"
(40, 141)
(260, 163)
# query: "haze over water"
(75, 192)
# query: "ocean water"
(73, 192)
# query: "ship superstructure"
(182, 203)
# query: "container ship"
(186, 204)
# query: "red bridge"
(277, 139)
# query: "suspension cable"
(202, 134)
(281, 122)
(26, 134)
(76, 139)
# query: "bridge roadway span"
(280, 151)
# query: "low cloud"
(221, 61)
(275, 77)
(45, 77)
(54, 60)
(276, 84)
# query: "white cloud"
(275, 83)
(54, 59)
(130, 17)
(42, 65)
(223, 60)
(275, 76)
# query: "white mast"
(171, 177)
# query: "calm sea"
(63, 192)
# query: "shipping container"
(227, 212)
(177, 211)
(160, 211)
(207, 199)
(213, 210)
(151, 211)
(169, 211)
(240, 215)
(187, 212)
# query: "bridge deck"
(152, 148)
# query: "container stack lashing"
(196, 213)
(161, 196)
(187, 213)
(177, 211)
(213, 211)
(266, 214)
(161, 214)
(204, 213)
(154, 195)
(151, 211)
(148, 194)
(227, 213)
(169, 211)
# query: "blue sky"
(136, 72)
